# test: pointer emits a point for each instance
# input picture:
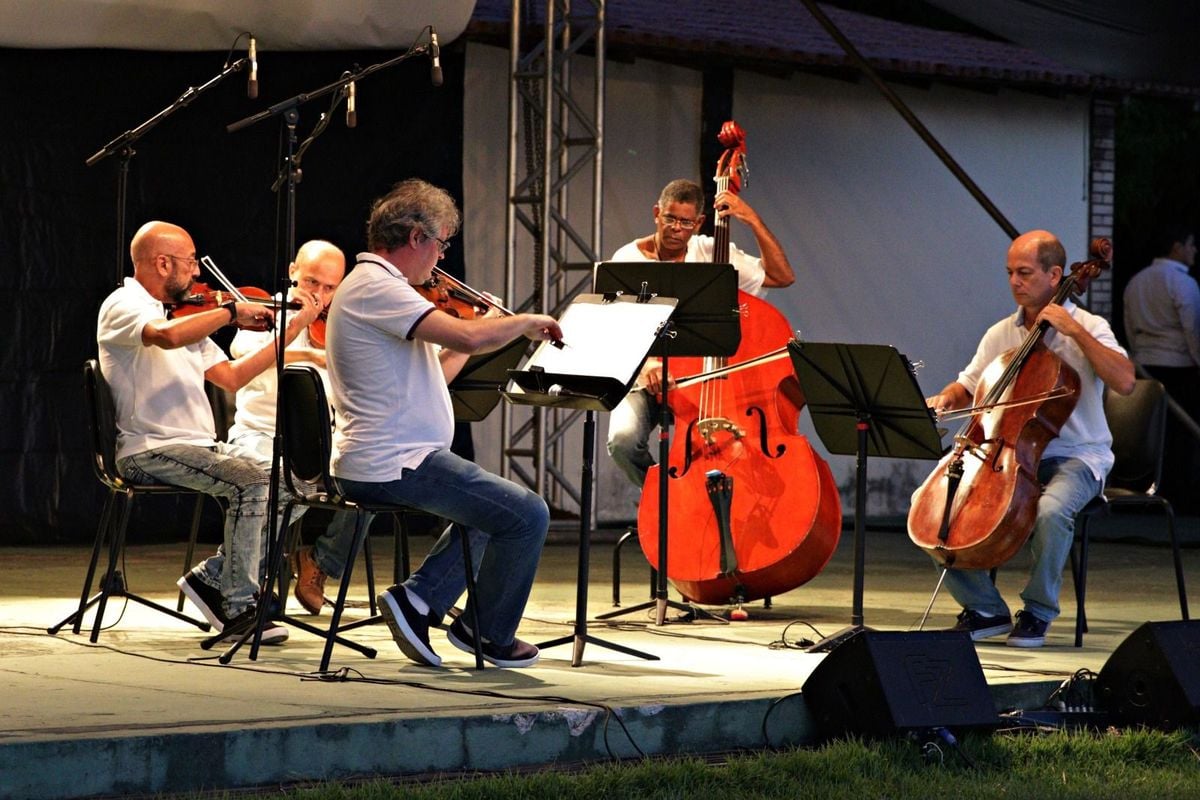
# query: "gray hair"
(411, 204)
(682, 191)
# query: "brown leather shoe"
(310, 580)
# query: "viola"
(978, 506)
(753, 510)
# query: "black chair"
(307, 439)
(1138, 425)
(102, 425)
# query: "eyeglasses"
(443, 245)
(192, 262)
(671, 221)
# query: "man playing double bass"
(677, 214)
(1073, 466)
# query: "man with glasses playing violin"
(678, 213)
(391, 354)
(156, 368)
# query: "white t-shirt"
(393, 406)
(256, 400)
(700, 249)
(1085, 434)
(158, 394)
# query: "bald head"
(1042, 247)
(319, 268)
(164, 259)
(156, 238)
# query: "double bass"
(978, 506)
(753, 511)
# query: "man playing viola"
(677, 215)
(1073, 465)
(156, 368)
(394, 426)
(318, 269)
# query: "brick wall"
(1102, 175)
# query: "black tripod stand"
(706, 322)
(864, 399)
(593, 373)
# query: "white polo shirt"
(158, 394)
(393, 406)
(256, 400)
(1085, 434)
(700, 249)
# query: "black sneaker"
(981, 627)
(204, 597)
(273, 632)
(517, 654)
(409, 628)
(1029, 631)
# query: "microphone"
(435, 52)
(252, 82)
(351, 111)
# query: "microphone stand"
(122, 146)
(289, 110)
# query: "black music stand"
(607, 339)
(706, 322)
(475, 391)
(864, 400)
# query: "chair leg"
(295, 538)
(1080, 573)
(369, 561)
(468, 566)
(1183, 606)
(116, 545)
(361, 531)
(75, 618)
(191, 548)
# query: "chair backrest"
(102, 424)
(305, 428)
(1138, 422)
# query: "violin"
(456, 298)
(204, 298)
(978, 506)
(753, 511)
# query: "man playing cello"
(1073, 466)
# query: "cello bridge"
(710, 427)
(982, 451)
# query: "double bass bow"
(978, 506)
(754, 511)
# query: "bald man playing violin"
(156, 368)
(395, 423)
(1073, 465)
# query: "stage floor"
(170, 718)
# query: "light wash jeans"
(629, 427)
(331, 548)
(237, 474)
(511, 520)
(1068, 485)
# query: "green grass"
(1115, 764)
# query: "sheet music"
(606, 340)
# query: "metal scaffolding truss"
(555, 145)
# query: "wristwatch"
(231, 307)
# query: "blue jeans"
(512, 520)
(237, 474)
(1068, 485)
(629, 427)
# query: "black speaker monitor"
(879, 683)
(1153, 677)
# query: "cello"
(978, 506)
(754, 511)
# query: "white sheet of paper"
(607, 340)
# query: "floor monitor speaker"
(879, 683)
(1153, 677)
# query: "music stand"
(864, 400)
(475, 391)
(607, 340)
(706, 322)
